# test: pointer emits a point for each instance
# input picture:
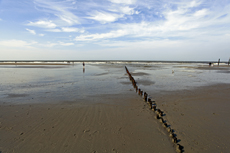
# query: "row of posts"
(228, 61)
(159, 112)
(210, 63)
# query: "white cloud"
(177, 22)
(112, 34)
(17, 43)
(0, 19)
(65, 44)
(123, 10)
(43, 24)
(201, 13)
(123, 1)
(194, 4)
(67, 29)
(48, 44)
(60, 9)
(68, 18)
(133, 30)
(54, 30)
(24, 44)
(69, 12)
(71, 29)
(54, 44)
(104, 17)
(31, 31)
(183, 18)
(41, 35)
(127, 10)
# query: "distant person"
(83, 67)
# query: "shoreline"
(113, 61)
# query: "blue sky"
(115, 30)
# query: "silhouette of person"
(83, 67)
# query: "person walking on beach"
(83, 67)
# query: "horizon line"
(169, 61)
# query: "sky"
(184, 30)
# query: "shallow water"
(25, 84)
(175, 76)
(39, 84)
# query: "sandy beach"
(123, 125)
(103, 113)
(200, 117)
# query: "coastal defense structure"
(159, 113)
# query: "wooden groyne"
(159, 114)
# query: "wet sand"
(200, 117)
(116, 122)
(124, 124)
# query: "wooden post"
(218, 62)
(151, 104)
(154, 107)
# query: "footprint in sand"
(86, 131)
